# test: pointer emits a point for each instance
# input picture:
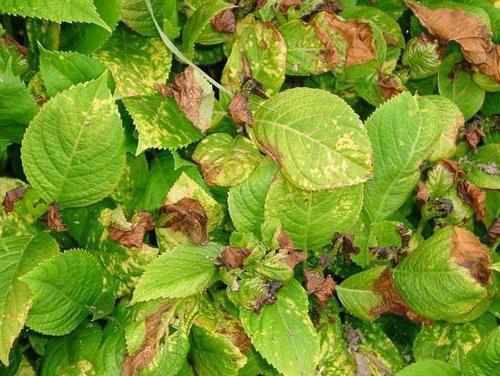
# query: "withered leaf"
(239, 110)
(134, 236)
(405, 234)
(474, 197)
(164, 90)
(232, 257)
(359, 36)
(13, 196)
(468, 252)
(285, 242)
(390, 86)
(421, 193)
(453, 167)
(322, 288)
(468, 31)
(270, 298)
(232, 329)
(53, 218)
(287, 4)
(142, 357)
(391, 300)
(494, 231)
(383, 253)
(329, 52)
(294, 257)
(225, 21)
(344, 243)
(188, 216)
(474, 134)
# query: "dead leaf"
(285, 242)
(53, 218)
(468, 252)
(494, 231)
(225, 21)
(149, 348)
(322, 288)
(164, 90)
(13, 196)
(132, 237)
(390, 86)
(270, 298)
(359, 36)
(232, 257)
(287, 4)
(474, 197)
(474, 135)
(474, 37)
(188, 216)
(239, 110)
(287, 246)
(391, 300)
(344, 243)
(422, 193)
(453, 167)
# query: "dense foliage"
(255, 187)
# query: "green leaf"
(434, 285)
(61, 70)
(357, 295)
(283, 332)
(305, 52)
(197, 23)
(18, 256)
(311, 218)
(17, 105)
(246, 200)
(263, 47)
(74, 353)
(429, 367)
(316, 138)
(401, 132)
(64, 290)
(214, 354)
(450, 342)
(184, 271)
(55, 10)
(457, 85)
(72, 152)
(135, 14)
(226, 161)
(86, 38)
(160, 123)
(136, 62)
(483, 167)
(484, 359)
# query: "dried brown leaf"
(474, 197)
(494, 231)
(13, 196)
(53, 218)
(453, 167)
(474, 135)
(421, 193)
(225, 21)
(319, 286)
(134, 236)
(270, 298)
(239, 110)
(187, 216)
(345, 245)
(232, 257)
(474, 37)
(390, 86)
(468, 252)
(287, 4)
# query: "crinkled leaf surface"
(283, 332)
(316, 138)
(18, 256)
(485, 358)
(185, 271)
(64, 290)
(72, 152)
(311, 218)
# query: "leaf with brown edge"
(233, 257)
(453, 167)
(421, 193)
(391, 300)
(13, 196)
(187, 216)
(390, 86)
(287, 4)
(474, 135)
(294, 257)
(468, 252)
(494, 231)
(53, 218)
(319, 286)
(473, 36)
(132, 234)
(344, 243)
(474, 197)
(239, 109)
(225, 21)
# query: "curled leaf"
(13, 196)
(233, 257)
(319, 286)
(132, 234)
(239, 109)
(187, 216)
(345, 245)
(474, 135)
(474, 197)
(225, 21)
(390, 85)
(53, 218)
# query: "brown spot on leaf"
(232, 257)
(239, 110)
(225, 21)
(164, 90)
(285, 242)
(287, 4)
(322, 288)
(287, 246)
(345, 245)
(13, 196)
(133, 236)
(390, 86)
(494, 231)
(474, 197)
(270, 298)
(467, 251)
(474, 135)
(53, 218)
(188, 216)
(383, 253)
(453, 167)
(390, 39)
(473, 36)
(359, 36)
(232, 329)
(149, 348)
(392, 301)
